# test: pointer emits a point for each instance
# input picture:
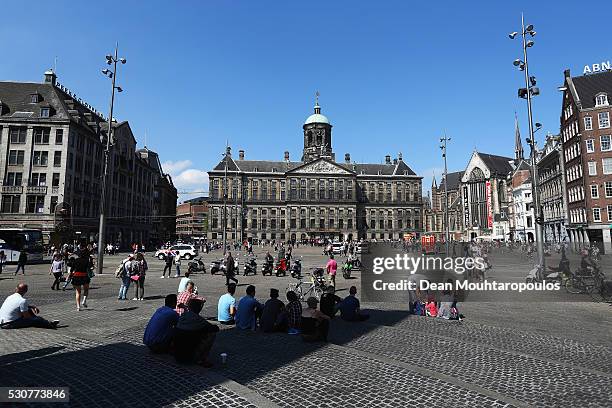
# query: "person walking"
(56, 269)
(169, 258)
(23, 258)
(230, 269)
(332, 268)
(2, 260)
(140, 267)
(177, 263)
(80, 277)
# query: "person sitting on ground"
(330, 301)
(194, 336)
(183, 298)
(349, 307)
(159, 334)
(17, 313)
(446, 302)
(249, 309)
(226, 307)
(293, 313)
(431, 309)
(315, 324)
(271, 317)
(183, 283)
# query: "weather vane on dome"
(317, 98)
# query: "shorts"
(80, 280)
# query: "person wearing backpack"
(123, 272)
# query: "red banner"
(489, 206)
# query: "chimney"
(566, 73)
(241, 154)
(286, 156)
(399, 156)
(387, 159)
(394, 161)
(50, 77)
(228, 151)
(347, 157)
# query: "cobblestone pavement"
(507, 354)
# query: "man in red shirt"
(331, 268)
(183, 298)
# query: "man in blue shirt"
(226, 308)
(248, 310)
(160, 330)
(349, 307)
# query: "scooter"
(216, 266)
(267, 267)
(197, 265)
(347, 267)
(281, 267)
(250, 266)
(296, 269)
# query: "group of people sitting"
(275, 316)
(433, 304)
(178, 328)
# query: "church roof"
(317, 118)
(498, 165)
(453, 180)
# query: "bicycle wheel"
(317, 292)
(574, 285)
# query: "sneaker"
(85, 304)
(135, 299)
(54, 324)
(161, 277)
(141, 299)
(78, 308)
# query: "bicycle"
(602, 291)
(580, 282)
(315, 289)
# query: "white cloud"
(175, 167)
(190, 178)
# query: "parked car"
(185, 251)
(337, 247)
(362, 248)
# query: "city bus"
(15, 240)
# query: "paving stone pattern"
(502, 355)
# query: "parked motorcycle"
(197, 265)
(216, 266)
(250, 266)
(281, 267)
(296, 269)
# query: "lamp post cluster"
(112, 61)
(443, 141)
(531, 90)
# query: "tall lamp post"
(527, 93)
(112, 74)
(444, 140)
(225, 159)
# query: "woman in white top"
(57, 268)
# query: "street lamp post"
(226, 157)
(444, 140)
(112, 74)
(527, 93)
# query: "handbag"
(135, 278)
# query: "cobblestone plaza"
(505, 354)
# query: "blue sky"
(393, 75)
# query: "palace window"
(10, 203)
(16, 157)
(41, 135)
(18, 135)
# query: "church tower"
(317, 135)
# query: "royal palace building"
(314, 198)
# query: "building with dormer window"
(314, 198)
(51, 162)
(586, 138)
